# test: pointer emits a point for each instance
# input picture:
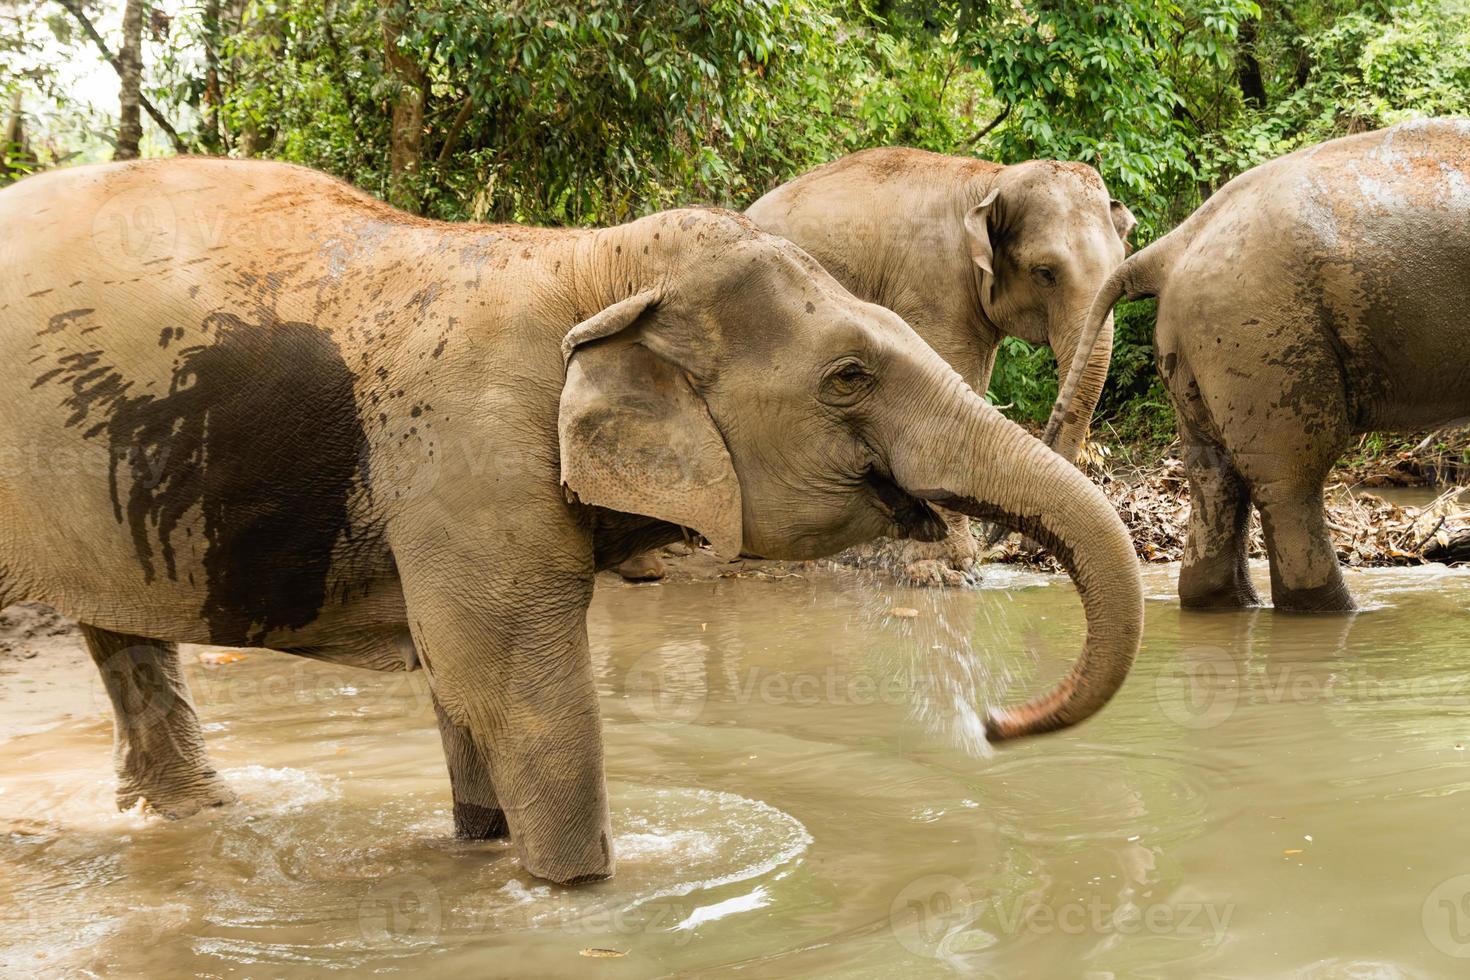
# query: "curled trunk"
(965, 456)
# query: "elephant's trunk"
(966, 456)
(1067, 430)
(1084, 368)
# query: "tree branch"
(460, 119)
(75, 9)
(989, 126)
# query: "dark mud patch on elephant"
(259, 430)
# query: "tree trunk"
(1455, 551)
(15, 151)
(15, 129)
(130, 71)
(269, 30)
(406, 134)
(74, 7)
(211, 137)
(1248, 72)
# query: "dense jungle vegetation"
(598, 111)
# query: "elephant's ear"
(635, 435)
(1123, 222)
(977, 233)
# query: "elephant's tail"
(1141, 275)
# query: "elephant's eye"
(847, 381)
(1044, 275)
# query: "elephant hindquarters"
(1264, 413)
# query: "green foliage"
(1134, 403)
(1024, 382)
(1101, 83)
(556, 112)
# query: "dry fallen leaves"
(1367, 530)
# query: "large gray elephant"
(245, 404)
(967, 252)
(1314, 298)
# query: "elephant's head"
(967, 251)
(1043, 237)
(739, 390)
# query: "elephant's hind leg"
(158, 747)
(1215, 574)
(1305, 574)
(477, 812)
(1285, 462)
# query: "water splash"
(952, 682)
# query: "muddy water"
(1412, 496)
(1269, 796)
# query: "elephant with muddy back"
(1314, 298)
(251, 406)
(967, 252)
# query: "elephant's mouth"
(913, 517)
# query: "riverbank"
(1369, 529)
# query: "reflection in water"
(796, 790)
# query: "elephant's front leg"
(158, 747)
(477, 812)
(513, 669)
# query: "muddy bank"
(1368, 530)
(1441, 457)
(41, 659)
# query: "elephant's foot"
(932, 572)
(475, 822)
(175, 799)
(1221, 600)
(642, 568)
(158, 746)
(477, 811)
(1332, 597)
(1203, 588)
(565, 861)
